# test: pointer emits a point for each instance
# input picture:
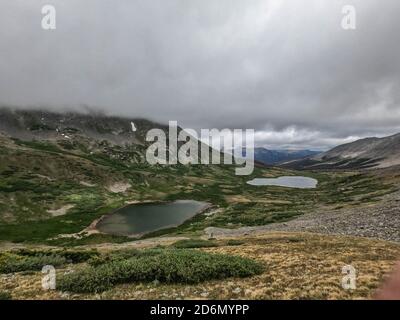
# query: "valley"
(282, 242)
(222, 151)
(36, 181)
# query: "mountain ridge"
(366, 153)
(274, 157)
(49, 125)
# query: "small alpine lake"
(138, 219)
(286, 181)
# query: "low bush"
(166, 266)
(194, 243)
(34, 260)
(5, 295)
(10, 263)
(120, 255)
(72, 256)
(234, 242)
(78, 256)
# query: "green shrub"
(194, 243)
(167, 266)
(78, 256)
(34, 260)
(14, 263)
(120, 255)
(4, 295)
(10, 262)
(234, 242)
(72, 256)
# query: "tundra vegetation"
(56, 184)
(266, 266)
(38, 177)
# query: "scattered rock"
(62, 211)
(119, 187)
(237, 290)
(380, 221)
(156, 282)
(87, 184)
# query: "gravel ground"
(380, 221)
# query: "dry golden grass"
(297, 266)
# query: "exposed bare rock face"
(119, 187)
(62, 211)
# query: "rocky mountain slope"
(61, 172)
(360, 154)
(79, 133)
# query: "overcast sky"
(283, 67)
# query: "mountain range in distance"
(104, 134)
(275, 157)
(96, 132)
(365, 153)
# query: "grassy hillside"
(60, 174)
(47, 190)
(269, 266)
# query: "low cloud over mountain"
(284, 68)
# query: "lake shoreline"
(296, 182)
(93, 227)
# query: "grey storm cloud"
(283, 67)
